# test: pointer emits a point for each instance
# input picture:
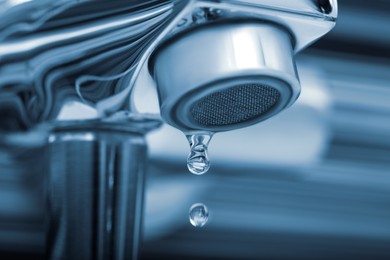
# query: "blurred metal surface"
(22, 198)
(49, 52)
(56, 52)
(81, 194)
(95, 192)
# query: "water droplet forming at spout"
(199, 215)
(198, 162)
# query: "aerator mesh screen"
(234, 105)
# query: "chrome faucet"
(71, 72)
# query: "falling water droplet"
(199, 215)
(198, 162)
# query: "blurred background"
(310, 183)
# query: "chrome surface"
(212, 58)
(307, 20)
(53, 53)
(60, 54)
(95, 193)
(42, 41)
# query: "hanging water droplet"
(198, 162)
(199, 215)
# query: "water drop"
(198, 162)
(199, 215)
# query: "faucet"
(232, 65)
(69, 74)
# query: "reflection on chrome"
(53, 52)
(70, 50)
